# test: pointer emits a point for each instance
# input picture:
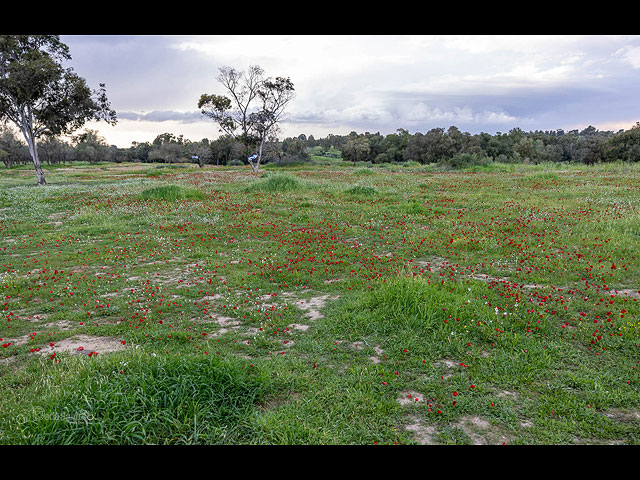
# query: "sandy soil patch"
(448, 365)
(298, 326)
(623, 416)
(375, 358)
(84, 345)
(60, 325)
(410, 397)
(423, 434)
(506, 393)
(481, 432)
(313, 306)
(626, 292)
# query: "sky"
(369, 83)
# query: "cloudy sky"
(370, 83)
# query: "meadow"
(320, 304)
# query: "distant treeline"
(449, 147)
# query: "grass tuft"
(362, 190)
(172, 192)
(276, 182)
(154, 400)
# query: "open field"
(325, 304)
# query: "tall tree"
(40, 96)
(254, 111)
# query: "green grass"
(306, 306)
(275, 182)
(157, 400)
(171, 193)
(361, 190)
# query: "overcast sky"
(370, 83)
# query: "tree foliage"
(252, 111)
(39, 96)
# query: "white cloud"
(525, 75)
(421, 113)
(631, 55)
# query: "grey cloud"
(162, 116)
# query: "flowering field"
(320, 305)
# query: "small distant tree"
(40, 96)
(53, 150)
(90, 146)
(224, 149)
(138, 152)
(201, 150)
(167, 148)
(357, 149)
(254, 110)
(166, 153)
(295, 151)
(16, 151)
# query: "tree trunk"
(27, 131)
(31, 142)
(36, 161)
(255, 166)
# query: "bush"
(464, 160)
(411, 164)
(382, 158)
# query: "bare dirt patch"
(481, 432)
(506, 393)
(625, 292)
(432, 263)
(298, 326)
(60, 325)
(623, 416)
(410, 397)
(422, 434)
(226, 323)
(84, 345)
(313, 306)
(273, 403)
(448, 365)
(375, 358)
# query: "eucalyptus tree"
(40, 96)
(253, 110)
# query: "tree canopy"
(254, 109)
(41, 97)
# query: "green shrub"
(411, 164)
(464, 160)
